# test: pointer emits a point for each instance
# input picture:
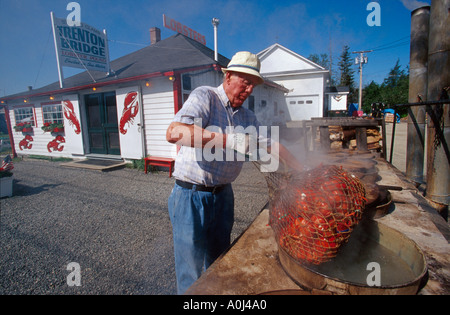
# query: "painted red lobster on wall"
(55, 144)
(69, 112)
(130, 111)
(26, 143)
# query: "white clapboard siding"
(41, 139)
(158, 108)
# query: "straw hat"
(245, 62)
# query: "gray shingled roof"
(174, 53)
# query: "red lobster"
(69, 112)
(55, 144)
(25, 143)
(130, 110)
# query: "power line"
(396, 43)
(393, 46)
(126, 43)
(43, 56)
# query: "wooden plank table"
(359, 124)
(251, 265)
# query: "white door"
(72, 125)
(303, 107)
(129, 112)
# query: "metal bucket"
(402, 265)
(381, 206)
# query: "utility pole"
(362, 59)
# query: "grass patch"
(136, 164)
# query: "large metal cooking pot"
(403, 267)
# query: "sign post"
(60, 72)
(107, 53)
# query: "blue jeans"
(201, 223)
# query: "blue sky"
(27, 55)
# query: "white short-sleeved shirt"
(210, 108)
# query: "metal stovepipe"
(418, 77)
(438, 131)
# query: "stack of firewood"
(343, 137)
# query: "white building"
(310, 94)
(337, 97)
(123, 115)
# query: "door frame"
(106, 128)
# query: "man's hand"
(244, 144)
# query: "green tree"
(347, 72)
(321, 60)
(324, 61)
(394, 76)
(394, 90)
(371, 94)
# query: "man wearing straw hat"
(201, 205)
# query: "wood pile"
(345, 137)
(389, 118)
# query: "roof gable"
(277, 59)
(173, 53)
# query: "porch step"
(106, 157)
(96, 164)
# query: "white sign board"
(81, 46)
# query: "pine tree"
(395, 87)
(345, 66)
(324, 61)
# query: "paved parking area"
(115, 225)
(400, 144)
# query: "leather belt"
(213, 189)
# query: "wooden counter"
(251, 266)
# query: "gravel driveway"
(115, 225)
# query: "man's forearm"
(196, 137)
(193, 136)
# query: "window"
(309, 102)
(53, 113)
(24, 114)
(187, 84)
(263, 103)
(301, 102)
